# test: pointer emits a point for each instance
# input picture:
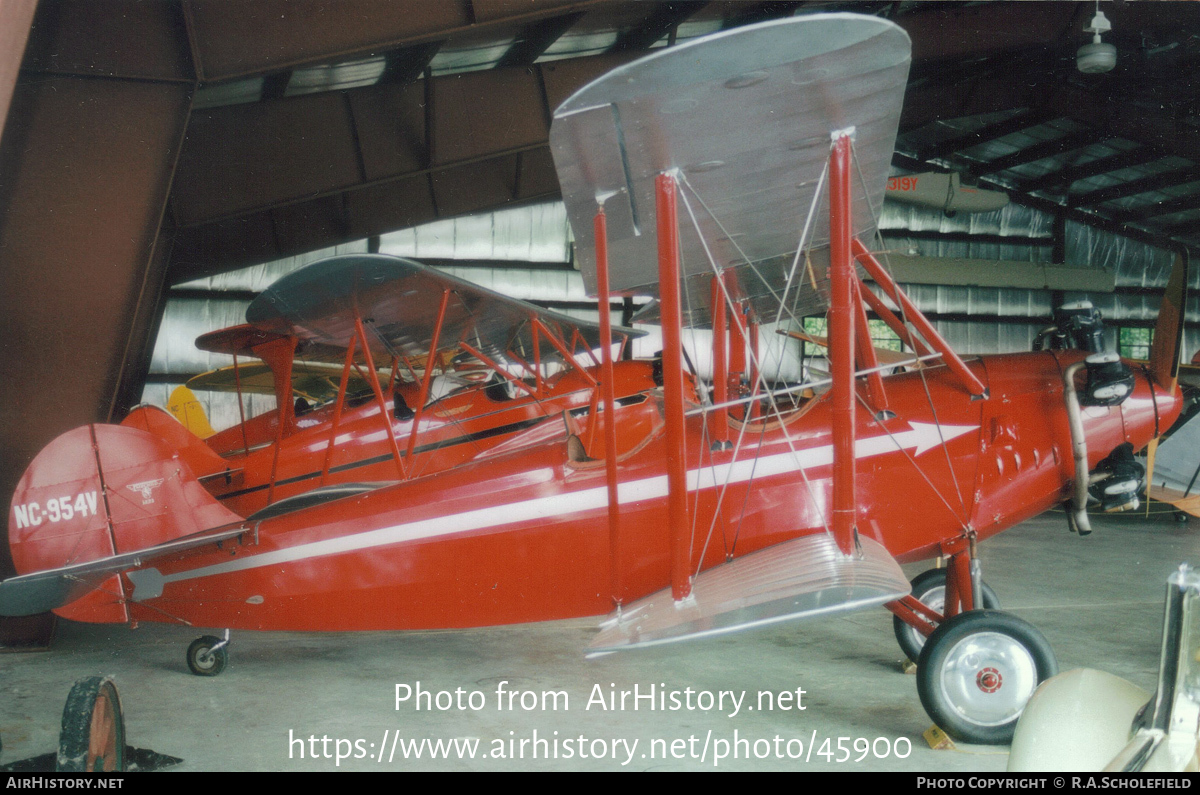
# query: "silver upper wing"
(745, 117)
(398, 301)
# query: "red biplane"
(422, 322)
(737, 178)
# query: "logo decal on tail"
(146, 488)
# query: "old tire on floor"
(92, 739)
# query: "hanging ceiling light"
(1098, 56)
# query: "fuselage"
(520, 532)
(451, 431)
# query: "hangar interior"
(162, 163)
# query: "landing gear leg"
(929, 588)
(940, 594)
(208, 656)
(978, 666)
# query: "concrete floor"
(1097, 599)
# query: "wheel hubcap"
(988, 677)
(989, 680)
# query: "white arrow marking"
(923, 436)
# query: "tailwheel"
(978, 670)
(929, 588)
(92, 739)
(208, 656)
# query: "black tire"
(92, 739)
(1181, 517)
(202, 660)
(929, 587)
(974, 657)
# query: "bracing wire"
(921, 371)
(735, 318)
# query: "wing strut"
(373, 380)
(672, 323)
(894, 323)
(337, 408)
(923, 326)
(610, 403)
(865, 351)
(502, 372)
(237, 377)
(428, 375)
(720, 341)
(841, 342)
(278, 354)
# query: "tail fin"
(187, 409)
(1167, 344)
(198, 455)
(100, 491)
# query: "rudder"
(102, 490)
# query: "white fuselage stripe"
(592, 499)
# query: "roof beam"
(1155, 209)
(952, 31)
(1123, 190)
(1098, 105)
(1105, 109)
(968, 237)
(1040, 151)
(659, 23)
(234, 40)
(275, 85)
(1189, 228)
(387, 181)
(763, 12)
(535, 38)
(937, 102)
(406, 64)
(1021, 121)
(1160, 240)
(1093, 168)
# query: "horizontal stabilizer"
(41, 591)
(802, 578)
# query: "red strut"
(610, 403)
(672, 322)
(841, 343)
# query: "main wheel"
(92, 739)
(929, 588)
(202, 660)
(978, 670)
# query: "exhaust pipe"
(1077, 516)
